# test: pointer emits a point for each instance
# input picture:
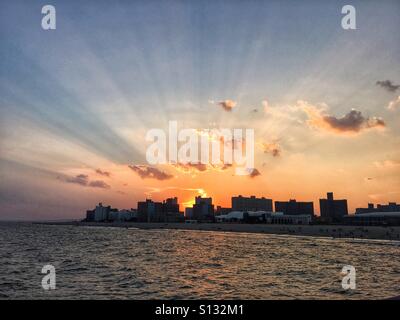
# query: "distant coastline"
(331, 231)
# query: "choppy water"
(116, 263)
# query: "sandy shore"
(332, 231)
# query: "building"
(170, 205)
(243, 216)
(203, 209)
(264, 217)
(374, 219)
(89, 215)
(123, 215)
(333, 210)
(391, 207)
(188, 213)
(170, 211)
(166, 211)
(290, 219)
(101, 213)
(251, 204)
(149, 211)
(292, 207)
(220, 210)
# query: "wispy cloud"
(98, 184)
(394, 104)
(146, 172)
(388, 85)
(83, 180)
(387, 164)
(103, 173)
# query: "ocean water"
(118, 263)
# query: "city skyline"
(76, 102)
(272, 204)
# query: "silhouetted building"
(251, 204)
(203, 209)
(166, 211)
(188, 213)
(292, 207)
(89, 215)
(149, 211)
(170, 209)
(374, 219)
(122, 215)
(264, 217)
(391, 207)
(333, 210)
(171, 205)
(220, 211)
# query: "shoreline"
(330, 231)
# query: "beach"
(331, 231)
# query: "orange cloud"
(227, 105)
(272, 148)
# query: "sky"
(76, 102)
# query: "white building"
(264, 217)
(101, 213)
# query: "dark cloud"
(150, 172)
(98, 184)
(188, 166)
(388, 85)
(103, 173)
(255, 173)
(83, 180)
(353, 121)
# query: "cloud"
(189, 167)
(394, 104)
(98, 184)
(388, 85)
(83, 180)
(254, 173)
(387, 164)
(265, 105)
(272, 148)
(352, 122)
(103, 173)
(146, 172)
(200, 167)
(227, 105)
